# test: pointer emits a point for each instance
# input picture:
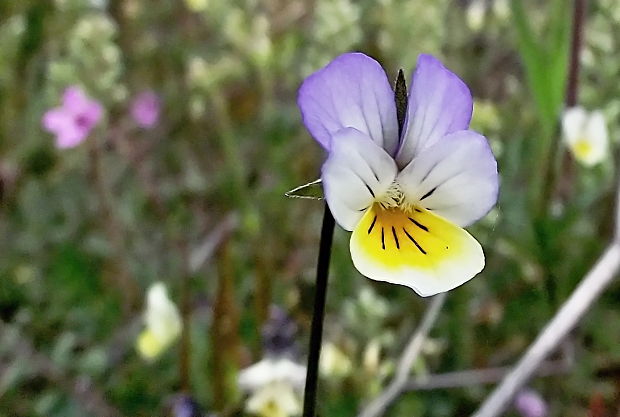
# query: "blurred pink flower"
(145, 109)
(73, 121)
(529, 403)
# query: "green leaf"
(544, 60)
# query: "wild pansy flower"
(74, 119)
(274, 385)
(274, 400)
(162, 320)
(405, 196)
(145, 109)
(585, 134)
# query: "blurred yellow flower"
(197, 5)
(585, 134)
(372, 356)
(486, 116)
(334, 362)
(163, 323)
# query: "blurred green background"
(198, 201)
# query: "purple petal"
(86, 112)
(73, 121)
(530, 404)
(352, 91)
(91, 114)
(70, 137)
(145, 109)
(456, 178)
(439, 103)
(185, 406)
(56, 119)
(74, 99)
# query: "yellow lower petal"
(149, 346)
(415, 248)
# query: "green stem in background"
(229, 145)
(177, 243)
(124, 280)
(225, 342)
(186, 343)
(544, 57)
(563, 168)
(579, 17)
(564, 174)
(263, 285)
(559, 178)
(318, 314)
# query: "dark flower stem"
(316, 331)
(579, 15)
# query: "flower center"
(394, 198)
(582, 148)
(82, 121)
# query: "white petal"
(456, 178)
(586, 135)
(596, 129)
(573, 123)
(356, 172)
(592, 147)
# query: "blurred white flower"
(585, 134)
(501, 9)
(275, 387)
(474, 15)
(277, 399)
(271, 370)
(334, 362)
(163, 323)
